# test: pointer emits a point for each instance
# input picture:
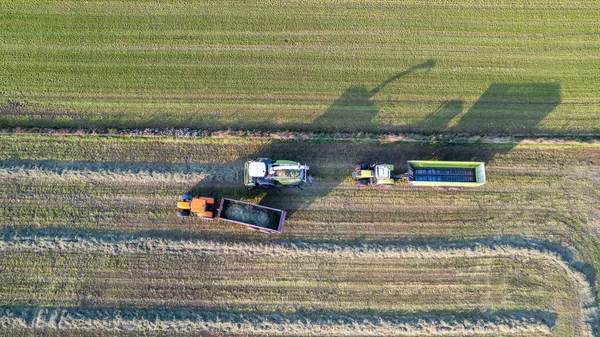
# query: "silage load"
(251, 214)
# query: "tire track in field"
(307, 324)
(186, 134)
(113, 173)
(107, 243)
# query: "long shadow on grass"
(354, 107)
(504, 109)
(510, 109)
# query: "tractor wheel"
(362, 182)
(183, 213)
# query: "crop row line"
(310, 324)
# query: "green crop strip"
(385, 66)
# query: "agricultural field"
(109, 110)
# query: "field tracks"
(69, 242)
(286, 135)
(113, 173)
(311, 324)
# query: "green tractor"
(269, 173)
(373, 174)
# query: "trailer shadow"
(504, 109)
(510, 109)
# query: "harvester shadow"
(355, 107)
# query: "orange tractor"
(256, 217)
(203, 207)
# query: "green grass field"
(90, 244)
(397, 66)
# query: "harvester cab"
(203, 207)
(267, 173)
(373, 174)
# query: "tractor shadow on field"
(439, 120)
(503, 109)
(354, 107)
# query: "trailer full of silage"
(445, 173)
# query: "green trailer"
(445, 173)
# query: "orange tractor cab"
(203, 207)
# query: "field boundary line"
(267, 135)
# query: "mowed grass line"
(272, 324)
(280, 65)
(121, 271)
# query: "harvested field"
(346, 252)
(268, 281)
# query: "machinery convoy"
(269, 173)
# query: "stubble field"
(89, 240)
